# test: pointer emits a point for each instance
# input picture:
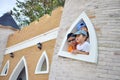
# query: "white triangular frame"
(40, 62)
(22, 63)
(93, 54)
(6, 66)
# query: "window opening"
(91, 40)
(43, 64)
(20, 72)
(5, 69)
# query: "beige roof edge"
(8, 27)
(47, 15)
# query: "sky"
(7, 5)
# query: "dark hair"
(87, 36)
(19, 79)
(70, 35)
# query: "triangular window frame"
(6, 67)
(21, 64)
(93, 54)
(40, 62)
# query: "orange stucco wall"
(32, 54)
(45, 24)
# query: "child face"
(80, 38)
(84, 28)
(71, 41)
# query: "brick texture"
(105, 16)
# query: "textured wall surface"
(32, 54)
(44, 24)
(105, 16)
(4, 34)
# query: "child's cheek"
(77, 39)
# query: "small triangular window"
(43, 64)
(5, 69)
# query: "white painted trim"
(40, 62)
(6, 66)
(18, 69)
(93, 54)
(52, 34)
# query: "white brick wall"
(107, 25)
